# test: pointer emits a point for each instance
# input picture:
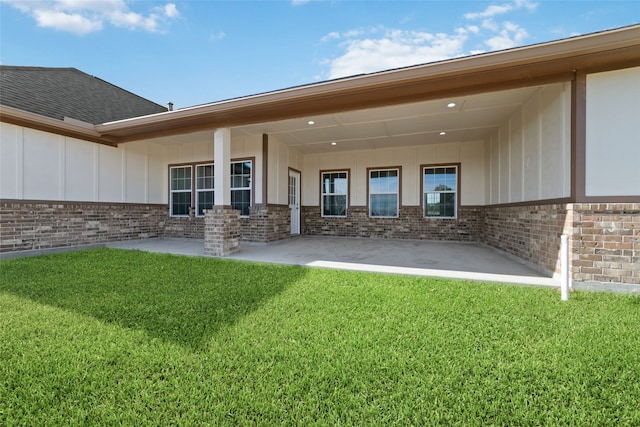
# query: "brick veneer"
(604, 238)
(410, 224)
(30, 225)
(606, 242)
(189, 228)
(221, 231)
(266, 223)
(531, 232)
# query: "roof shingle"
(68, 92)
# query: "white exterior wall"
(469, 154)
(529, 156)
(281, 158)
(242, 147)
(613, 133)
(38, 165)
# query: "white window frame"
(249, 188)
(205, 189)
(172, 191)
(455, 191)
(371, 193)
(323, 193)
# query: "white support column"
(222, 223)
(222, 160)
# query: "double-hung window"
(241, 186)
(180, 190)
(384, 190)
(440, 187)
(204, 188)
(335, 188)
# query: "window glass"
(383, 193)
(241, 186)
(334, 193)
(204, 188)
(180, 191)
(440, 191)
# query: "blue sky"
(195, 52)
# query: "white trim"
(455, 193)
(171, 191)
(322, 194)
(397, 192)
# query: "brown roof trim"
(525, 66)
(71, 128)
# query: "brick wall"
(531, 233)
(605, 244)
(605, 238)
(30, 225)
(221, 232)
(410, 224)
(181, 227)
(266, 223)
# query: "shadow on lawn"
(184, 300)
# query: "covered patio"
(453, 260)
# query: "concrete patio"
(466, 261)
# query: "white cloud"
(87, 16)
(396, 48)
(366, 50)
(171, 11)
(510, 36)
(299, 2)
(217, 36)
(71, 22)
(494, 10)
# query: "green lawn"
(109, 337)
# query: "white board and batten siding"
(37, 165)
(528, 157)
(469, 154)
(613, 133)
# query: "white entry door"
(294, 200)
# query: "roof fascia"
(552, 61)
(71, 128)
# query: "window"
(204, 188)
(383, 193)
(334, 193)
(440, 186)
(241, 186)
(180, 191)
(192, 187)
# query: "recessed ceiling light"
(443, 133)
(334, 143)
(451, 104)
(311, 122)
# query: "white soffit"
(472, 119)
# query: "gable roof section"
(526, 66)
(67, 92)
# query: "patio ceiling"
(472, 118)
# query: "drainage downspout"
(564, 267)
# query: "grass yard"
(111, 337)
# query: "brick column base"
(221, 232)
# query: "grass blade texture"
(111, 337)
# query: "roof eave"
(550, 61)
(71, 128)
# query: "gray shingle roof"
(68, 92)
